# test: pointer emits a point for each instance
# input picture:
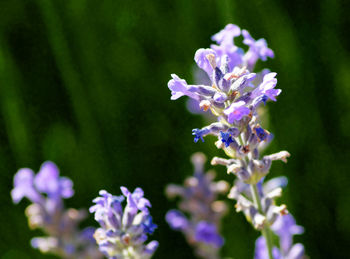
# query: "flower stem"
(266, 230)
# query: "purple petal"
(202, 61)
(66, 186)
(261, 250)
(227, 34)
(151, 247)
(125, 191)
(297, 252)
(179, 87)
(47, 180)
(176, 220)
(236, 111)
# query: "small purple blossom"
(199, 133)
(179, 88)
(226, 47)
(227, 34)
(257, 50)
(24, 186)
(236, 111)
(212, 129)
(266, 88)
(202, 60)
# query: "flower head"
(46, 190)
(124, 230)
(201, 212)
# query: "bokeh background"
(84, 84)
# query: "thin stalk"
(266, 230)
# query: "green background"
(84, 84)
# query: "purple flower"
(266, 88)
(151, 247)
(201, 58)
(212, 129)
(242, 82)
(226, 45)
(124, 229)
(236, 111)
(285, 228)
(48, 181)
(257, 50)
(261, 250)
(179, 88)
(199, 133)
(137, 198)
(177, 220)
(206, 232)
(24, 186)
(46, 191)
(198, 198)
(148, 225)
(227, 34)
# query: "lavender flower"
(202, 212)
(257, 49)
(234, 95)
(123, 232)
(46, 190)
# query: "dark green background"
(84, 84)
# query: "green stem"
(266, 230)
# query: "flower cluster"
(199, 200)
(235, 95)
(123, 232)
(46, 190)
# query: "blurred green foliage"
(84, 83)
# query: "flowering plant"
(234, 96)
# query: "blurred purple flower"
(24, 186)
(207, 232)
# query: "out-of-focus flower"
(46, 190)
(200, 211)
(285, 228)
(124, 231)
